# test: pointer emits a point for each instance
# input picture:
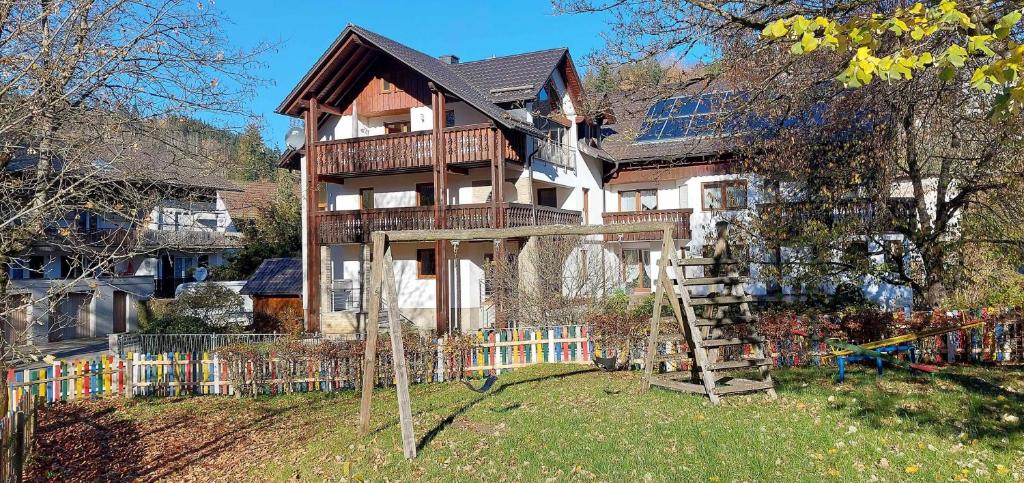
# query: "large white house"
(398, 139)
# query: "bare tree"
(842, 166)
(91, 94)
(553, 281)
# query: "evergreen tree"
(274, 233)
(254, 160)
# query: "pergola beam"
(487, 234)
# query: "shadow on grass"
(975, 407)
(447, 421)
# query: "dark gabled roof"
(427, 66)
(517, 77)
(276, 276)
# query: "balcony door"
(636, 265)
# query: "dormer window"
(386, 86)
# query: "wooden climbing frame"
(384, 287)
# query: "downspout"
(529, 182)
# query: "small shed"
(276, 291)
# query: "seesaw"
(856, 353)
(882, 350)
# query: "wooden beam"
(346, 85)
(372, 323)
(478, 234)
(312, 231)
(659, 298)
(331, 84)
(398, 357)
(458, 170)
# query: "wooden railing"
(523, 215)
(680, 217)
(413, 151)
(355, 226)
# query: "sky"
(303, 29)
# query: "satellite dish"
(201, 274)
(296, 137)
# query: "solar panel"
(683, 117)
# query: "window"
(366, 198)
(426, 263)
(724, 195)
(396, 127)
(547, 197)
(386, 86)
(37, 266)
(449, 118)
(894, 255)
(638, 200)
(424, 194)
(636, 268)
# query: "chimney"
(449, 59)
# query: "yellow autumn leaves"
(863, 37)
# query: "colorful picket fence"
(501, 350)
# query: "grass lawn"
(563, 422)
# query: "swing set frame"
(384, 287)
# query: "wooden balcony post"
(440, 167)
(312, 230)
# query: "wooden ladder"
(705, 335)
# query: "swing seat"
(488, 382)
(607, 364)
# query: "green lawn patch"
(566, 422)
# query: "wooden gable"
(387, 87)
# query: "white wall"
(101, 306)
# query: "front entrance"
(71, 319)
(16, 327)
(120, 312)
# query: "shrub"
(206, 309)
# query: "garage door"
(71, 319)
(15, 320)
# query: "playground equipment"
(882, 354)
(883, 350)
(706, 335)
(383, 286)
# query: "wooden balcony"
(680, 217)
(355, 226)
(410, 152)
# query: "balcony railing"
(861, 212)
(681, 219)
(413, 151)
(355, 226)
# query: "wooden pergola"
(382, 282)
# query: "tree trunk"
(933, 259)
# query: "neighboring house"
(185, 230)
(276, 292)
(671, 164)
